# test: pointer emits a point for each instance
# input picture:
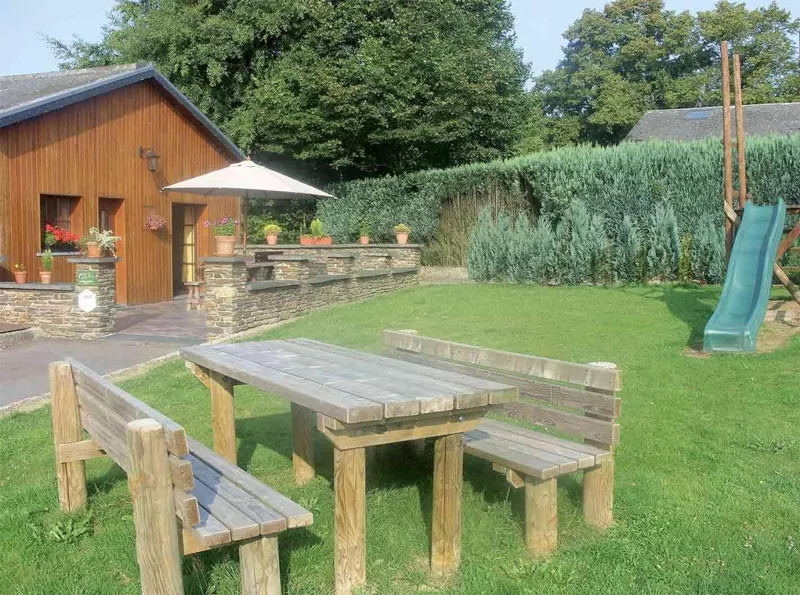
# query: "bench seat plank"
(565, 464)
(209, 532)
(496, 450)
(238, 523)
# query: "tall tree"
(348, 87)
(635, 55)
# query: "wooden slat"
(205, 535)
(560, 396)
(565, 464)
(238, 523)
(581, 374)
(592, 429)
(269, 521)
(296, 515)
(186, 507)
(530, 439)
(128, 407)
(79, 451)
(495, 451)
(597, 455)
(321, 399)
(181, 471)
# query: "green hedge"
(612, 182)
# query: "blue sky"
(540, 24)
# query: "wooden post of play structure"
(727, 145)
(740, 145)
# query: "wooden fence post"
(150, 482)
(67, 429)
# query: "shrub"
(663, 245)
(685, 262)
(500, 241)
(708, 250)
(543, 263)
(316, 228)
(628, 253)
(598, 250)
(521, 251)
(573, 245)
(479, 254)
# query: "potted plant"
(46, 273)
(317, 236)
(60, 240)
(98, 243)
(154, 221)
(224, 235)
(271, 232)
(364, 229)
(401, 231)
(20, 273)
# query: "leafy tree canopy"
(350, 88)
(635, 55)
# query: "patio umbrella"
(248, 180)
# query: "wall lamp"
(151, 156)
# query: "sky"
(539, 25)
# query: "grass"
(707, 486)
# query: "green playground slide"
(743, 305)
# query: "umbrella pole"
(245, 205)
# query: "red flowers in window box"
(60, 240)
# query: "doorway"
(184, 246)
(111, 216)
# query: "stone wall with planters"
(54, 308)
(303, 279)
(395, 255)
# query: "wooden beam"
(448, 463)
(541, 515)
(181, 473)
(259, 567)
(740, 142)
(198, 372)
(726, 142)
(223, 417)
(67, 429)
(157, 546)
(302, 444)
(186, 508)
(787, 242)
(350, 553)
(793, 289)
(80, 451)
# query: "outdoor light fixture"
(151, 156)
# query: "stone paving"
(164, 322)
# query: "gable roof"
(706, 122)
(26, 96)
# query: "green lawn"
(707, 494)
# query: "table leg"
(223, 418)
(448, 476)
(302, 443)
(350, 521)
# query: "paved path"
(143, 333)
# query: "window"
(703, 114)
(56, 211)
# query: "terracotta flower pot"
(272, 239)
(402, 237)
(364, 239)
(314, 241)
(225, 245)
(21, 276)
(93, 250)
(46, 277)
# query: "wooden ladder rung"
(791, 269)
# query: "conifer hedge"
(629, 179)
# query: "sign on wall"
(87, 300)
(86, 278)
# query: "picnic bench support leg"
(157, 544)
(303, 421)
(67, 428)
(448, 459)
(223, 418)
(350, 521)
(541, 515)
(259, 566)
(598, 495)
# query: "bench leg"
(302, 444)
(150, 482)
(598, 495)
(541, 515)
(67, 428)
(223, 417)
(350, 530)
(448, 474)
(259, 567)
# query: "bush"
(573, 245)
(708, 250)
(598, 247)
(663, 245)
(543, 262)
(628, 253)
(479, 254)
(521, 251)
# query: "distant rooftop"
(706, 122)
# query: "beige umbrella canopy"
(248, 180)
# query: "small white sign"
(87, 300)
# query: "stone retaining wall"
(366, 257)
(54, 308)
(302, 281)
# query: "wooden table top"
(347, 385)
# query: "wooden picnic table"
(357, 400)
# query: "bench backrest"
(105, 412)
(577, 399)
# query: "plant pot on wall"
(272, 239)
(93, 250)
(402, 237)
(46, 277)
(316, 241)
(225, 245)
(364, 240)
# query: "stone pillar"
(226, 292)
(94, 310)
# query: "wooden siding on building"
(90, 150)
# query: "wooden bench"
(579, 400)
(169, 475)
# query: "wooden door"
(184, 246)
(111, 216)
